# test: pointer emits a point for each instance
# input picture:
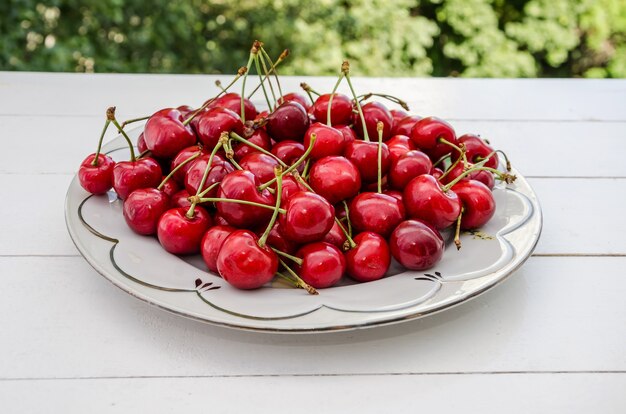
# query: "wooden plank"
(62, 320)
(513, 99)
(511, 393)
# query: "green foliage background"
(478, 38)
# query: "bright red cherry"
(322, 264)
(395, 194)
(289, 152)
(179, 234)
(407, 167)
(426, 134)
(143, 208)
(424, 199)
(478, 203)
(308, 218)
(364, 155)
(399, 145)
(219, 169)
(170, 187)
(477, 149)
(211, 244)
(141, 144)
(288, 122)
(181, 199)
(166, 135)
(261, 165)
(348, 133)
(370, 259)
(398, 115)
(97, 179)
(329, 141)
(212, 123)
(296, 97)
(374, 212)
(243, 185)
(416, 245)
(336, 236)
(483, 176)
(185, 110)
(291, 186)
(243, 263)
(183, 155)
(374, 112)
(340, 112)
(232, 101)
(132, 175)
(335, 178)
(404, 125)
(258, 137)
(277, 240)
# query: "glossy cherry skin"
(258, 137)
(141, 144)
(143, 208)
(219, 169)
(243, 185)
(308, 218)
(374, 112)
(291, 186)
(232, 101)
(183, 155)
(289, 152)
(399, 145)
(370, 259)
(185, 110)
(397, 115)
(416, 245)
(96, 179)
(341, 111)
(288, 122)
(212, 123)
(477, 149)
(425, 200)
(129, 176)
(348, 133)
(407, 167)
(277, 240)
(211, 244)
(179, 234)
(243, 263)
(436, 172)
(336, 236)
(483, 176)
(180, 199)
(404, 125)
(296, 97)
(364, 155)
(261, 165)
(165, 134)
(426, 133)
(329, 141)
(170, 187)
(479, 205)
(395, 194)
(335, 178)
(322, 264)
(374, 212)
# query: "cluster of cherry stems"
(301, 191)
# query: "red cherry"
(478, 203)
(426, 134)
(329, 141)
(181, 199)
(322, 264)
(370, 259)
(374, 112)
(436, 172)
(129, 176)
(232, 101)
(179, 234)
(374, 212)
(219, 169)
(364, 155)
(308, 218)
(96, 179)
(170, 187)
(141, 144)
(261, 165)
(483, 176)
(243, 263)
(395, 194)
(335, 178)
(340, 112)
(398, 115)
(258, 137)
(476, 149)
(295, 97)
(348, 133)
(404, 125)
(335, 236)
(185, 110)
(277, 240)
(407, 167)
(416, 245)
(399, 145)
(212, 243)
(212, 123)
(143, 208)
(424, 199)
(243, 185)
(166, 135)
(289, 152)
(288, 122)
(183, 155)
(291, 186)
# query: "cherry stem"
(391, 98)
(278, 173)
(305, 171)
(111, 117)
(442, 159)
(266, 58)
(294, 165)
(294, 259)
(309, 90)
(379, 128)
(297, 282)
(253, 52)
(262, 82)
(205, 175)
(104, 130)
(457, 232)
(506, 177)
(197, 200)
(282, 57)
(301, 282)
(209, 188)
(178, 167)
(345, 68)
(348, 222)
(351, 242)
(218, 83)
(130, 121)
(330, 100)
(240, 73)
(454, 164)
(459, 148)
(244, 141)
(506, 159)
(230, 154)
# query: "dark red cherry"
(141, 144)
(329, 141)
(96, 179)
(219, 169)
(143, 208)
(181, 199)
(218, 220)
(179, 234)
(424, 199)
(211, 244)
(243, 185)
(308, 218)
(170, 187)
(348, 133)
(395, 194)
(426, 134)
(295, 97)
(476, 149)
(129, 176)
(404, 125)
(436, 172)
(258, 137)
(336, 236)
(341, 110)
(261, 165)
(407, 167)
(370, 259)
(399, 145)
(364, 155)
(478, 203)
(291, 186)
(416, 245)
(374, 212)
(243, 263)
(232, 101)
(335, 178)
(212, 123)
(288, 122)
(374, 112)
(289, 152)
(183, 155)
(166, 135)
(322, 264)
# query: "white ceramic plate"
(139, 266)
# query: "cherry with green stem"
(293, 166)
(278, 175)
(272, 68)
(257, 58)
(237, 137)
(96, 171)
(345, 69)
(133, 120)
(254, 50)
(379, 127)
(391, 98)
(330, 100)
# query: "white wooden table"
(550, 339)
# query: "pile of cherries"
(308, 191)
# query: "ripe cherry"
(335, 178)
(212, 243)
(478, 203)
(277, 240)
(288, 122)
(329, 141)
(132, 175)
(243, 185)
(289, 152)
(232, 101)
(296, 97)
(374, 212)
(457, 169)
(166, 135)
(370, 259)
(259, 164)
(427, 134)
(407, 167)
(348, 133)
(404, 125)
(181, 199)
(180, 234)
(364, 155)
(258, 137)
(308, 217)
(476, 149)
(98, 178)
(184, 154)
(218, 170)
(416, 245)
(335, 236)
(212, 123)
(399, 145)
(374, 112)
(322, 264)
(143, 208)
(424, 199)
(291, 186)
(341, 109)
